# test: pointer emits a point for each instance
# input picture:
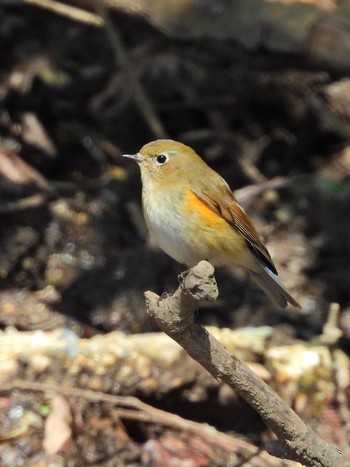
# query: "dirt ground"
(74, 248)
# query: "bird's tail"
(273, 287)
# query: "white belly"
(168, 229)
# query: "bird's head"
(165, 161)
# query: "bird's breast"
(189, 231)
(167, 224)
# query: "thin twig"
(134, 409)
(30, 202)
(121, 58)
(68, 11)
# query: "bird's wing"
(225, 204)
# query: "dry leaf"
(58, 433)
(34, 133)
(15, 169)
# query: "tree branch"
(175, 315)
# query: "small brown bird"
(193, 215)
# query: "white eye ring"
(161, 159)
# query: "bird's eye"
(161, 159)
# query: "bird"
(193, 215)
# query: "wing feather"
(227, 206)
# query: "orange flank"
(206, 216)
(219, 240)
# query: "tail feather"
(273, 287)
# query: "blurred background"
(260, 89)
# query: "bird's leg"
(181, 278)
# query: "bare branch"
(121, 58)
(128, 407)
(75, 14)
(175, 315)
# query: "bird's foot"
(181, 278)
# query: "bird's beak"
(135, 157)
